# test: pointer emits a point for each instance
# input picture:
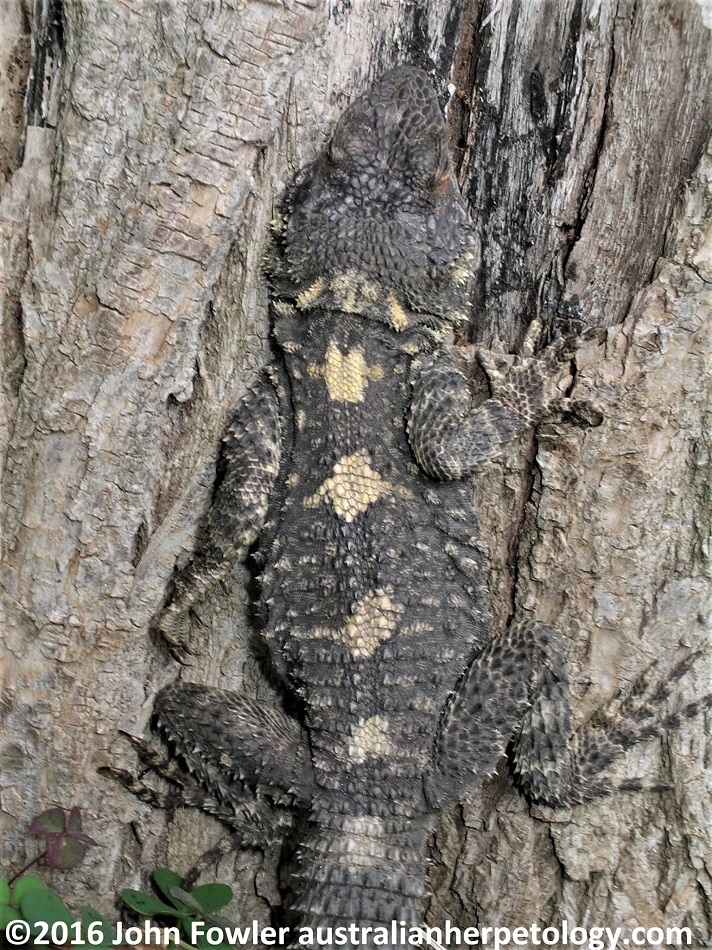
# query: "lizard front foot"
(534, 384)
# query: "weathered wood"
(134, 315)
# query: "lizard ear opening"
(428, 162)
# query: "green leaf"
(7, 914)
(216, 920)
(168, 882)
(146, 904)
(166, 879)
(64, 853)
(53, 821)
(26, 885)
(202, 943)
(90, 916)
(183, 899)
(212, 896)
(48, 907)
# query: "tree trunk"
(143, 149)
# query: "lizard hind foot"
(189, 795)
(183, 790)
(618, 726)
(214, 789)
(638, 717)
(137, 787)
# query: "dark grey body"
(347, 463)
(374, 695)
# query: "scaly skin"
(347, 461)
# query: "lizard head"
(376, 225)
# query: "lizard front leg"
(250, 460)
(236, 759)
(451, 439)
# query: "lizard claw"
(180, 653)
(121, 775)
(495, 366)
(141, 745)
(153, 758)
(586, 411)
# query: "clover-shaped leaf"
(66, 842)
(53, 821)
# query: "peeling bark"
(139, 179)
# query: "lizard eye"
(353, 141)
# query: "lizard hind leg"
(517, 692)
(236, 759)
(226, 739)
(241, 814)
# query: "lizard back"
(346, 460)
(371, 585)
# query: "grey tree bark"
(143, 149)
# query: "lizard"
(348, 462)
